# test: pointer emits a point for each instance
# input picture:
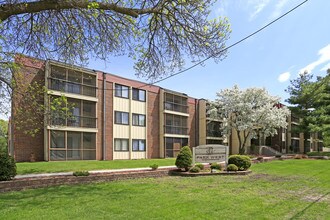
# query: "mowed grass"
(292, 189)
(67, 166)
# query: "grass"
(292, 189)
(67, 166)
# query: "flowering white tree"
(248, 112)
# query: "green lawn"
(292, 189)
(66, 166)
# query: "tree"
(3, 135)
(157, 34)
(249, 112)
(184, 158)
(310, 103)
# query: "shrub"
(232, 167)
(195, 169)
(316, 153)
(154, 166)
(81, 173)
(7, 167)
(200, 166)
(241, 161)
(215, 166)
(184, 158)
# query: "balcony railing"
(71, 87)
(213, 133)
(176, 107)
(169, 129)
(75, 121)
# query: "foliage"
(249, 113)
(310, 102)
(154, 166)
(241, 161)
(30, 110)
(232, 167)
(81, 173)
(195, 169)
(200, 166)
(3, 136)
(184, 158)
(215, 166)
(316, 153)
(156, 34)
(7, 167)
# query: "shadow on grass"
(302, 212)
(31, 171)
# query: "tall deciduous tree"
(248, 112)
(157, 34)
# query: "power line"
(230, 46)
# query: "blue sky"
(299, 41)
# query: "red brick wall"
(153, 125)
(25, 144)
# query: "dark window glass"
(139, 95)
(121, 144)
(121, 118)
(89, 140)
(139, 120)
(139, 145)
(57, 139)
(74, 140)
(121, 91)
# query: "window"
(139, 95)
(139, 120)
(139, 145)
(121, 144)
(121, 91)
(121, 118)
(57, 139)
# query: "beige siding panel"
(138, 155)
(138, 107)
(120, 131)
(121, 104)
(120, 155)
(138, 132)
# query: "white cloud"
(284, 77)
(324, 54)
(258, 6)
(326, 67)
(278, 9)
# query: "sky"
(299, 41)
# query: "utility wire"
(230, 46)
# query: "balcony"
(170, 129)
(75, 121)
(213, 133)
(176, 107)
(71, 87)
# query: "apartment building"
(111, 117)
(114, 118)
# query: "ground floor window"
(72, 145)
(121, 144)
(173, 145)
(138, 145)
(214, 141)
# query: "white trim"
(64, 128)
(176, 135)
(176, 113)
(71, 95)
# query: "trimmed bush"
(316, 153)
(81, 173)
(241, 161)
(215, 166)
(184, 158)
(154, 166)
(195, 169)
(200, 166)
(7, 167)
(232, 167)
